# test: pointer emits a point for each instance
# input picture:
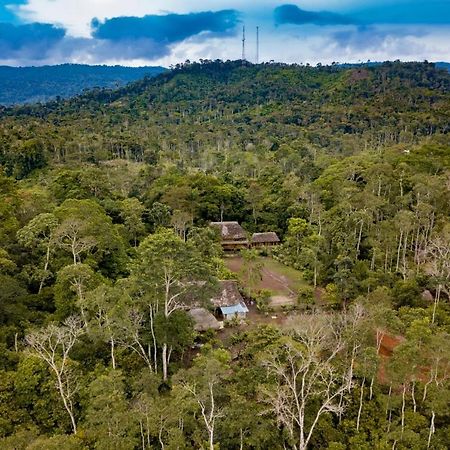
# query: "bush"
(263, 299)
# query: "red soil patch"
(387, 346)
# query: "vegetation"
(40, 84)
(105, 201)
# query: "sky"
(166, 32)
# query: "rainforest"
(229, 256)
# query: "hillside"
(110, 271)
(19, 85)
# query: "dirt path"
(282, 281)
(278, 284)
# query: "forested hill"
(197, 110)
(19, 85)
(106, 201)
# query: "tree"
(131, 212)
(85, 230)
(305, 380)
(40, 234)
(53, 345)
(159, 215)
(169, 273)
(202, 383)
(180, 221)
(251, 269)
(72, 284)
(108, 421)
(313, 246)
(71, 236)
(439, 265)
(104, 307)
(298, 229)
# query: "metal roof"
(240, 308)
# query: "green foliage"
(105, 202)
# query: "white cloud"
(313, 45)
(76, 15)
(287, 43)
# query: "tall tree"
(53, 345)
(39, 233)
(172, 274)
(304, 380)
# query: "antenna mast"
(257, 45)
(243, 43)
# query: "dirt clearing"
(283, 282)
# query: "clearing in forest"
(282, 281)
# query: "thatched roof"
(229, 294)
(204, 320)
(265, 238)
(230, 231)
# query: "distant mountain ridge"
(443, 65)
(22, 85)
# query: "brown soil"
(269, 280)
(388, 344)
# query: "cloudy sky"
(164, 32)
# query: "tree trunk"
(74, 254)
(113, 357)
(360, 404)
(403, 408)
(359, 238)
(437, 297)
(47, 261)
(66, 403)
(164, 361)
(142, 434)
(399, 248)
(155, 348)
(388, 408)
(432, 429)
(413, 396)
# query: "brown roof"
(265, 238)
(204, 320)
(230, 231)
(229, 294)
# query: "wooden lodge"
(233, 235)
(268, 239)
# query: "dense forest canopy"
(21, 85)
(105, 244)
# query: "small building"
(229, 303)
(232, 234)
(204, 320)
(268, 239)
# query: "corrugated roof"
(241, 308)
(263, 238)
(229, 294)
(230, 230)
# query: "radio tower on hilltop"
(257, 45)
(243, 43)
